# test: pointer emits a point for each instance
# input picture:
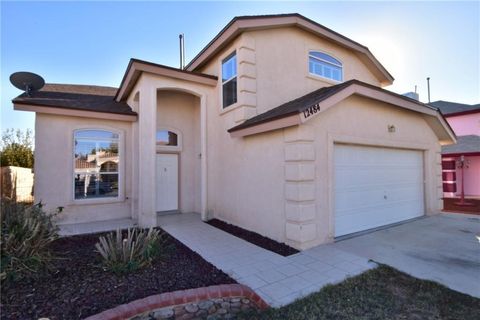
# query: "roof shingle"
(465, 144)
(76, 97)
(450, 108)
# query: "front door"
(167, 182)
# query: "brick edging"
(167, 299)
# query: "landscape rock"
(205, 305)
(191, 308)
(163, 313)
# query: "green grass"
(381, 293)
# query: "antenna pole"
(182, 50)
(428, 88)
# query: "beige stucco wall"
(247, 183)
(281, 65)
(180, 112)
(54, 169)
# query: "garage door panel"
(376, 186)
(376, 217)
(353, 199)
(352, 176)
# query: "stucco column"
(147, 120)
(203, 142)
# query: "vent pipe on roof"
(182, 50)
(428, 88)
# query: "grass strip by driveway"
(381, 293)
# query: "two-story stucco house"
(279, 125)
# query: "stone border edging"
(167, 299)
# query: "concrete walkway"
(278, 280)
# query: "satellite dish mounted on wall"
(27, 81)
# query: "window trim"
(320, 77)
(121, 168)
(176, 148)
(222, 60)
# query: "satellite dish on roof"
(27, 81)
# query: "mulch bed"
(255, 238)
(78, 286)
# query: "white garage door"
(376, 187)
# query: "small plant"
(27, 232)
(124, 252)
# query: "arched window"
(324, 65)
(167, 138)
(97, 156)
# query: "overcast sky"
(91, 42)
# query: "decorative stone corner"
(219, 308)
(247, 79)
(185, 302)
(300, 208)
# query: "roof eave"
(433, 117)
(75, 112)
(136, 67)
(461, 113)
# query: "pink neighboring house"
(465, 121)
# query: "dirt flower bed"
(255, 238)
(78, 286)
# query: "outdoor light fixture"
(391, 128)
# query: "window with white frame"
(97, 161)
(229, 80)
(324, 65)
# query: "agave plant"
(127, 251)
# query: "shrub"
(138, 248)
(27, 232)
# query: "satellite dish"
(27, 81)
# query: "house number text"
(311, 111)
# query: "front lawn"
(78, 286)
(381, 293)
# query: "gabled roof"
(448, 108)
(292, 112)
(465, 145)
(244, 23)
(75, 97)
(136, 67)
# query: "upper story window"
(321, 64)
(97, 160)
(229, 80)
(167, 138)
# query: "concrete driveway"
(442, 248)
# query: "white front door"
(376, 187)
(167, 182)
